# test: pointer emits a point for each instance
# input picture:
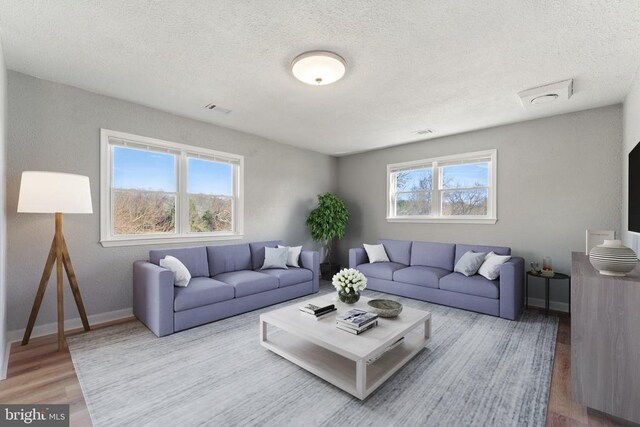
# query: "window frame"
(436, 192)
(110, 138)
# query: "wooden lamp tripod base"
(59, 254)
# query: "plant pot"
(348, 298)
(327, 271)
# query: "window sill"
(109, 243)
(445, 220)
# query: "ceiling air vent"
(538, 97)
(214, 107)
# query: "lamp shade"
(50, 192)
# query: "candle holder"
(547, 267)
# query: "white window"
(155, 191)
(460, 188)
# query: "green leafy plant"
(328, 221)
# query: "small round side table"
(556, 276)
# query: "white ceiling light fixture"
(318, 67)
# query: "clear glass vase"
(348, 298)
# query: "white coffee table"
(358, 364)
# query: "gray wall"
(3, 233)
(557, 177)
(631, 126)
(54, 127)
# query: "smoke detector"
(538, 97)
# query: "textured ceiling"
(451, 66)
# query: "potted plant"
(328, 222)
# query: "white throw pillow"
(293, 256)
(469, 263)
(182, 275)
(275, 258)
(490, 268)
(376, 253)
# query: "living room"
(536, 103)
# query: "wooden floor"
(38, 373)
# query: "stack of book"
(356, 321)
(316, 311)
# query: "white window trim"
(107, 239)
(492, 216)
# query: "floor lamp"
(57, 193)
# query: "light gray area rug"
(477, 370)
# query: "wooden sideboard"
(605, 340)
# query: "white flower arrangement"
(349, 280)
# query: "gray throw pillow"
(275, 257)
(469, 263)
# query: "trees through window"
(155, 191)
(459, 188)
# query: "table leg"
(263, 330)
(546, 294)
(526, 291)
(361, 377)
(427, 329)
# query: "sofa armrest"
(357, 256)
(153, 297)
(311, 261)
(512, 288)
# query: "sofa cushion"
(291, 276)
(376, 253)
(201, 291)
(181, 275)
(490, 268)
(275, 258)
(469, 263)
(380, 270)
(420, 275)
(227, 258)
(248, 282)
(433, 254)
(257, 252)
(397, 250)
(293, 255)
(462, 249)
(195, 259)
(472, 285)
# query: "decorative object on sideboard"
(57, 193)
(547, 267)
(597, 237)
(385, 307)
(612, 258)
(328, 222)
(349, 282)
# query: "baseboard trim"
(5, 361)
(69, 324)
(553, 305)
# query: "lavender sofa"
(225, 280)
(424, 271)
